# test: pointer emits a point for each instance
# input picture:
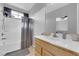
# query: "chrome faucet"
(63, 34)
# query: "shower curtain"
(26, 33)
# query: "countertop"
(65, 43)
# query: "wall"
(12, 33)
(50, 25)
(1, 17)
(70, 11)
(78, 18)
(39, 22)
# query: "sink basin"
(54, 38)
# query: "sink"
(55, 38)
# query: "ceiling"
(54, 6)
(30, 8)
(33, 8)
(25, 6)
(36, 8)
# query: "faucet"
(63, 34)
(55, 34)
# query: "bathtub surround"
(12, 30)
(26, 31)
(78, 18)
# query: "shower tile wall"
(12, 33)
(1, 17)
(1, 21)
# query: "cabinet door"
(37, 54)
(46, 53)
(38, 49)
(47, 49)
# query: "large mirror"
(62, 26)
(62, 23)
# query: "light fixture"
(58, 19)
(62, 18)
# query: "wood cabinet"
(38, 49)
(46, 53)
(37, 53)
(44, 48)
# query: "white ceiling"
(51, 7)
(35, 7)
(25, 6)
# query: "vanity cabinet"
(46, 53)
(44, 48)
(38, 49)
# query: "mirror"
(62, 26)
(62, 23)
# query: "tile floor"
(24, 52)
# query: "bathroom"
(24, 25)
